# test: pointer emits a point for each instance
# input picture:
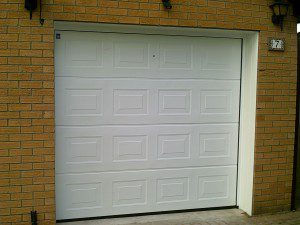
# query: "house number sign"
(276, 44)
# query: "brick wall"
(27, 93)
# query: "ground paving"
(214, 217)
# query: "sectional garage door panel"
(113, 148)
(153, 56)
(129, 192)
(83, 101)
(145, 123)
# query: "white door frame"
(248, 89)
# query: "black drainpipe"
(33, 217)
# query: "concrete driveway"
(214, 217)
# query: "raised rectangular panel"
(131, 54)
(175, 54)
(130, 148)
(216, 101)
(83, 149)
(131, 101)
(131, 192)
(83, 102)
(84, 52)
(84, 195)
(214, 145)
(214, 58)
(221, 56)
(212, 187)
(173, 146)
(174, 102)
(172, 189)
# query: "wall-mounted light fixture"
(280, 10)
(167, 4)
(31, 5)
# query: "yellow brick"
(27, 93)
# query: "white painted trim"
(248, 88)
(159, 30)
(247, 123)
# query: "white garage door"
(145, 123)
